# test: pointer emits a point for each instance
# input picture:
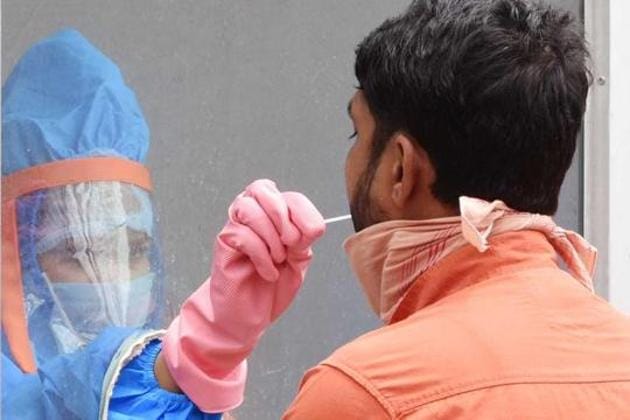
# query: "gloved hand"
(260, 259)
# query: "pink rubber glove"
(260, 259)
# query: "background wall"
(236, 90)
(619, 204)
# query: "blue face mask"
(83, 310)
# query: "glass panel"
(234, 91)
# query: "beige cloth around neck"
(389, 257)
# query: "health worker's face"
(94, 233)
(360, 173)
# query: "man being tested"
(466, 120)
(462, 99)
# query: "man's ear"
(406, 170)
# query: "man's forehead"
(357, 105)
(353, 102)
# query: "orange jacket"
(503, 334)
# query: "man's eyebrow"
(350, 108)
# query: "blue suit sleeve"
(18, 393)
(67, 387)
(137, 393)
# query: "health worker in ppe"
(82, 280)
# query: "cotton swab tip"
(338, 219)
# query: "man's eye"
(353, 135)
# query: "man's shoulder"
(402, 364)
(374, 374)
(327, 392)
(486, 336)
(419, 341)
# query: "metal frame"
(597, 139)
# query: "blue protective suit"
(67, 100)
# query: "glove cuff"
(211, 394)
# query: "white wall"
(619, 164)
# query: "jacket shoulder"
(328, 393)
(488, 336)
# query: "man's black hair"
(493, 90)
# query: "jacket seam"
(450, 392)
(364, 383)
(498, 275)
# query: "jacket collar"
(508, 253)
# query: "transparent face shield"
(90, 261)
